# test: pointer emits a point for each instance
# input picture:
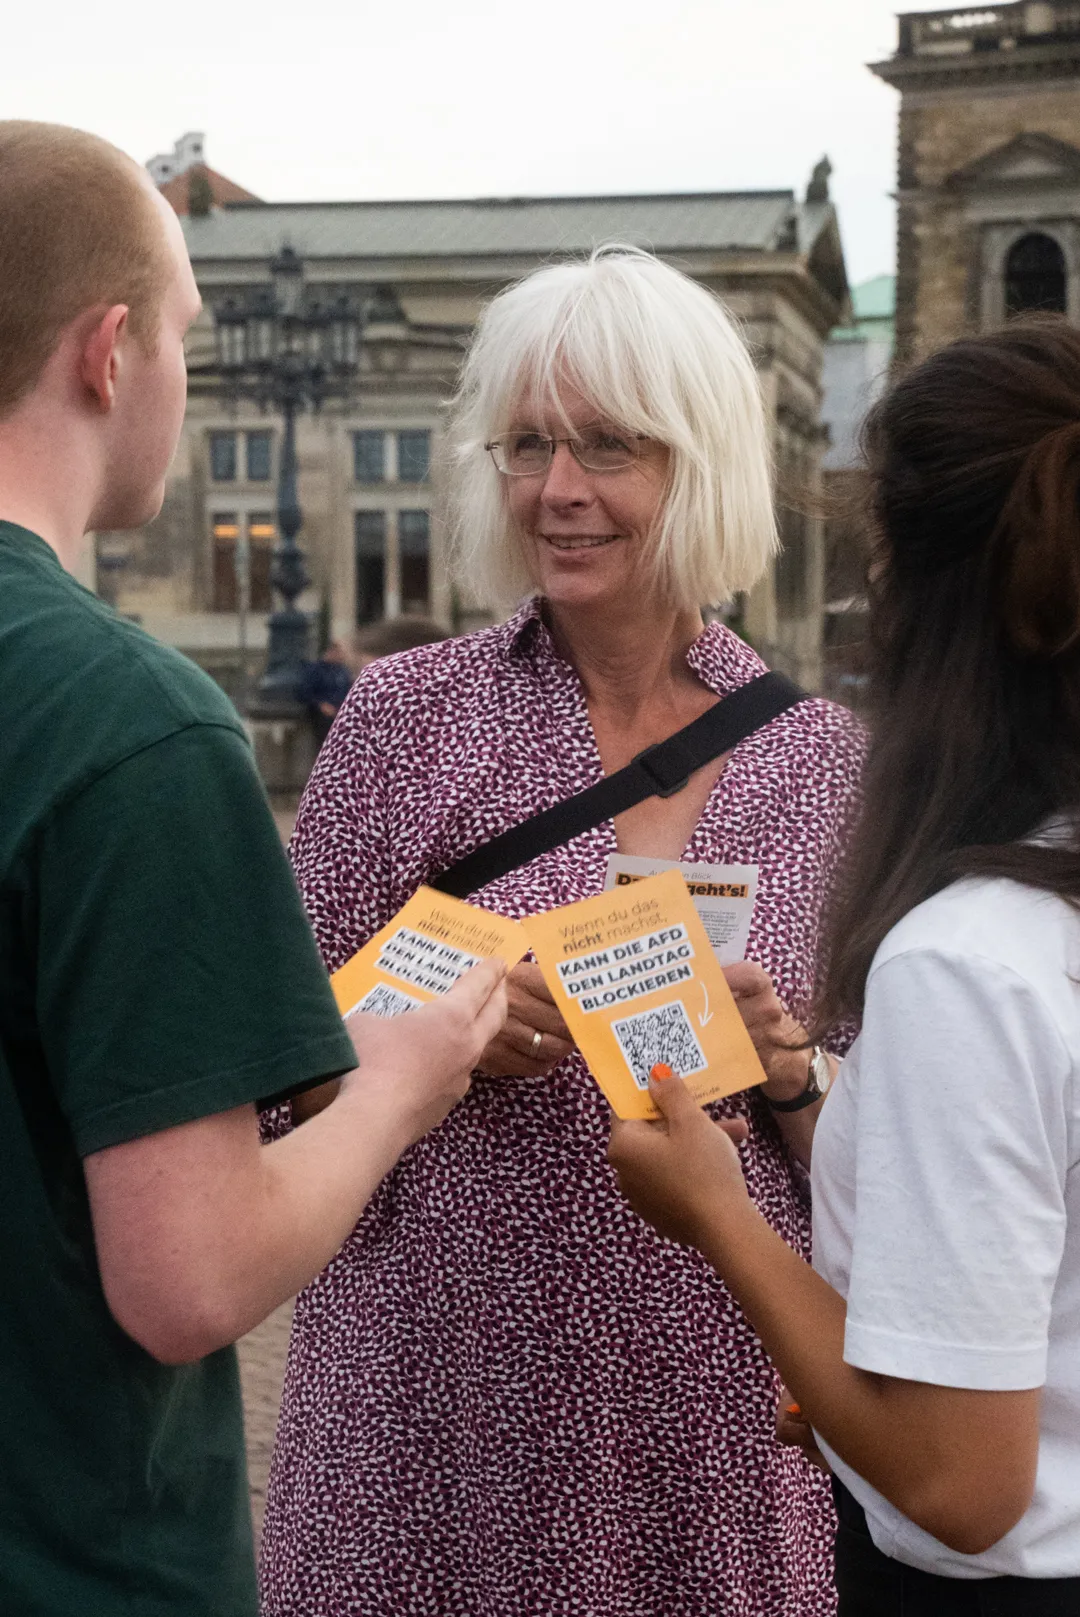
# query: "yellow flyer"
(634, 974)
(423, 951)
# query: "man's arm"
(201, 1233)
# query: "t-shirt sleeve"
(177, 975)
(961, 1159)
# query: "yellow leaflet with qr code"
(423, 951)
(636, 979)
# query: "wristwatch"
(818, 1080)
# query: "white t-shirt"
(947, 1191)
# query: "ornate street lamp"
(289, 350)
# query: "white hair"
(657, 354)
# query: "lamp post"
(289, 350)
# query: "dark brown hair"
(78, 228)
(974, 464)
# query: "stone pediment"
(1029, 160)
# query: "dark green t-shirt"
(155, 967)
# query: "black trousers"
(871, 1584)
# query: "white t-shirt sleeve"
(961, 1157)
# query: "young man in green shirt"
(157, 975)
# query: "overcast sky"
(430, 98)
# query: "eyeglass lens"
(598, 449)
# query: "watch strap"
(809, 1095)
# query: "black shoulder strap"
(659, 771)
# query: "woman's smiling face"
(586, 535)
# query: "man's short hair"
(78, 229)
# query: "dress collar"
(520, 629)
(718, 657)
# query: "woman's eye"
(611, 442)
(523, 443)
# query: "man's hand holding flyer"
(422, 952)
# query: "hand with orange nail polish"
(682, 1172)
(793, 1430)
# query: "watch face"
(820, 1072)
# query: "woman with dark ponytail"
(934, 1349)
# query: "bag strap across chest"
(659, 771)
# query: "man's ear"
(99, 361)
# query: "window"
(1035, 276)
(225, 591)
(262, 537)
(258, 457)
(370, 535)
(413, 456)
(414, 560)
(223, 457)
(243, 553)
(369, 457)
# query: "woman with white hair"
(506, 1396)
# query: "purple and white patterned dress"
(506, 1396)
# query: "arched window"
(1035, 276)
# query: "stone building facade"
(371, 472)
(989, 167)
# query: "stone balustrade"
(962, 32)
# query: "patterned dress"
(506, 1397)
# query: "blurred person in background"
(324, 684)
(506, 1396)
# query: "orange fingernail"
(793, 1409)
(661, 1071)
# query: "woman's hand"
(772, 1030)
(793, 1430)
(418, 1065)
(679, 1173)
(516, 1050)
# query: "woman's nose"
(567, 482)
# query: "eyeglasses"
(597, 449)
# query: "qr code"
(384, 1001)
(664, 1034)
